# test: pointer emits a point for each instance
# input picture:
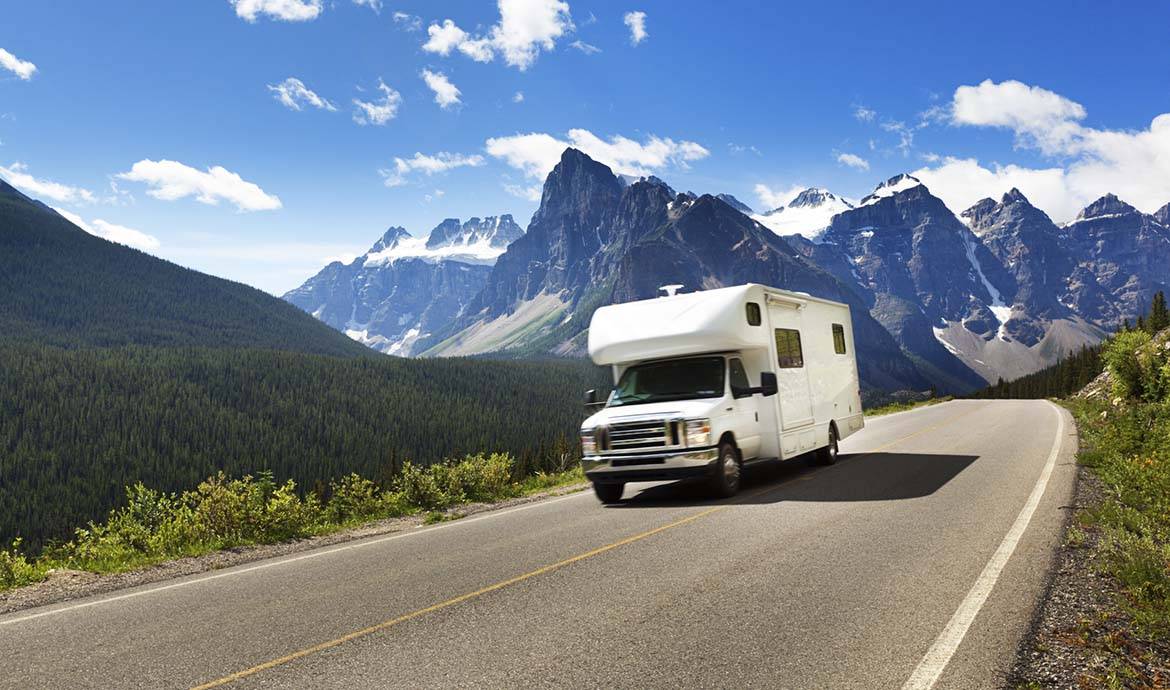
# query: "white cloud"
(408, 22)
(853, 161)
(171, 180)
(864, 114)
(21, 68)
(525, 28)
(1046, 118)
(446, 93)
(18, 176)
(537, 153)
(378, 112)
(428, 165)
(375, 5)
(113, 232)
(1134, 165)
(526, 192)
(587, 48)
(775, 198)
(518, 97)
(284, 10)
(433, 196)
(637, 23)
(294, 94)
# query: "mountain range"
(938, 300)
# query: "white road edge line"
(292, 559)
(939, 655)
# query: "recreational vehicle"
(707, 382)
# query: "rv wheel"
(725, 481)
(608, 493)
(828, 454)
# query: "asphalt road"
(917, 560)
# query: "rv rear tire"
(609, 492)
(828, 454)
(725, 480)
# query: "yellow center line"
(379, 627)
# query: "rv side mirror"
(591, 397)
(768, 385)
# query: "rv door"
(791, 373)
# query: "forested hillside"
(78, 425)
(60, 285)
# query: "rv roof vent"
(671, 290)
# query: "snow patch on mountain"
(807, 213)
(898, 183)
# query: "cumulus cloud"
(853, 161)
(113, 232)
(1090, 162)
(526, 192)
(380, 111)
(637, 23)
(537, 153)
(375, 5)
(295, 95)
(427, 165)
(408, 22)
(587, 48)
(525, 28)
(18, 176)
(518, 97)
(283, 10)
(21, 68)
(771, 198)
(446, 93)
(171, 180)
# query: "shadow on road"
(858, 477)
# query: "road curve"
(914, 562)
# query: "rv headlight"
(588, 442)
(698, 432)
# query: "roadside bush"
(230, 512)
(483, 478)
(15, 568)
(425, 487)
(354, 498)
(1140, 365)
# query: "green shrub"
(483, 478)
(1121, 356)
(355, 498)
(15, 568)
(421, 487)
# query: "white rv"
(707, 382)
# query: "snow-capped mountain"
(595, 240)
(937, 300)
(405, 287)
(805, 214)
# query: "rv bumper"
(650, 467)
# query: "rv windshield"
(675, 379)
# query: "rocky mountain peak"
(494, 231)
(735, 203)
(1108, 205)
(895, 185)
(1163, 215)
(390, 239)
(979, 211)
(1014, 196)
(814, 197)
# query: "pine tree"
(1159, 315)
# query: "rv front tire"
(725, 480)
(608, 493)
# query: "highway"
(916, 561)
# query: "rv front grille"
(641, 435)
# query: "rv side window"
(788, 352)
(753, 314)
(737, 376)
(838, 338)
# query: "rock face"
(594, 241)
(404, 287)
(735, 204)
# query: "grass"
(902, 406)
(151, 527)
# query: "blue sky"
(115, 112)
